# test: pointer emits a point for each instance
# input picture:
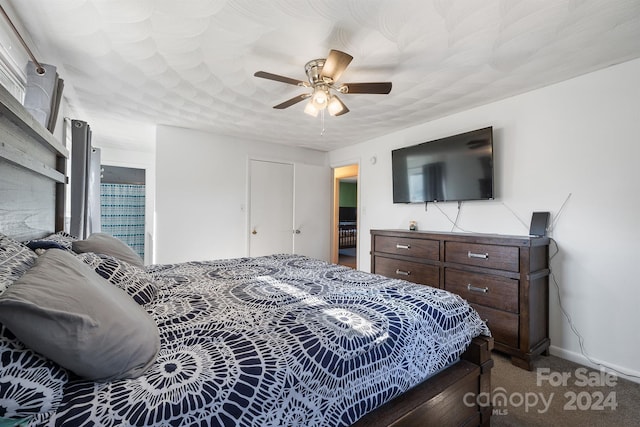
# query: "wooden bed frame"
(449, 398)
(347, 234)
(32, 204)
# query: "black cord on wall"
(573, 327)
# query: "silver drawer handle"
(403, 273)
(474, 255)
(477, 289)
(399, 246)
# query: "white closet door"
(312, 211)
(271, 208)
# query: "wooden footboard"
(446, 399)
(347, 235)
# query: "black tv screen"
(456, 168)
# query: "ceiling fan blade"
(382, 88)
(336, 107)
(292, 101)
(335, 64)
(276, 77)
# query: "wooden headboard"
(32, 174)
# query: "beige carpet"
(561, 393)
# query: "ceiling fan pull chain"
(322, 120)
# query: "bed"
(275, 340)
(347, 234)
(347, 228)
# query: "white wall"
(580, 138)
(202, 188)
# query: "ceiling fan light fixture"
(320, 97)
(335, 106)
(311, 109)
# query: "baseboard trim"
(629, 374)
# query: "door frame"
(347, 170)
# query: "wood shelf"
(33, 177)
(17, 114)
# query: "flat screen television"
(455, 168)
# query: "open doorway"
(122, 205)
(345, 216)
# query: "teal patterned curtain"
(123, 213)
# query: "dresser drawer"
(419, 248)
(503, 325)
(407, 270)
(486, 289)
(490, 256)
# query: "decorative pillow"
(61, 238)
(63, 310)
(102, 243)
(29, 383)
(44, 244)
(15, 259)
(131, 279)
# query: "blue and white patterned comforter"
(278, 341)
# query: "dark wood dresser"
(505, 278)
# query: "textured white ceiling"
(190, 63)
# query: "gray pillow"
(102, 243)
(63, 310)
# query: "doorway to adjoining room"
(345, 216)
(122, 205)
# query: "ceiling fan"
(323, 75)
